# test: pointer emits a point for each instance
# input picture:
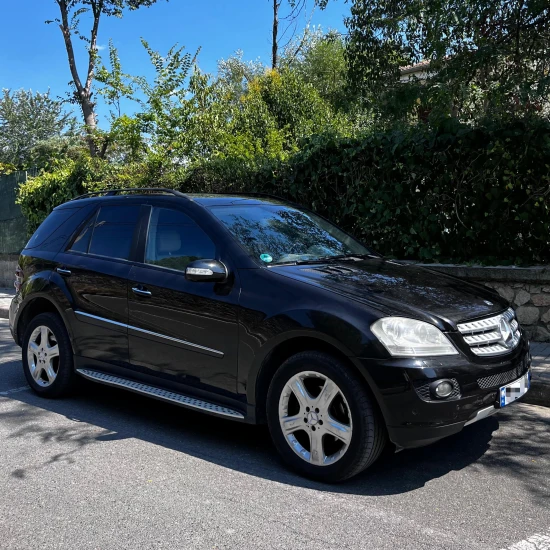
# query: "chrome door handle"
(140, 291)
(62, 271)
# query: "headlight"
(407, 338)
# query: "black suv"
(258, 310)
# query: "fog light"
(442, 389)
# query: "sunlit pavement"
(109, 469)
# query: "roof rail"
(255, 194)
(144, 190)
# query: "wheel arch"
(280, 352)
(33, 307)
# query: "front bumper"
(414, 419)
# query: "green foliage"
(319, 59)
(466, 187)
(27, 120)
(38, 196)
(487, 58)
(456, 194)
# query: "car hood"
(401, 289)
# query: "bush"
(451, 194)
(38, 196)
(454, 194)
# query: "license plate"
(513, 391)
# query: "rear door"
(179, 330)
(95, 267)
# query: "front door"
(180, 330)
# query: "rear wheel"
(48, 357)
(322, 419)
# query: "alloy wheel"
(315, 418)
(43, 356)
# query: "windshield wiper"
(329, 259)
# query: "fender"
(258, 341)
(45, 285)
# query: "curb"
(539, 393)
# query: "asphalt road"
(108, 469)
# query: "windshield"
(278, 234)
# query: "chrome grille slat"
(484, 338)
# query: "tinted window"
(113, 231)
(53, 222)
(280, 234)
(175, 240)
(82, 241)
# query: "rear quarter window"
(52, 223)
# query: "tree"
(71, 12)
(319, 58)
(297, 8)
(488, 57)
(26, 119)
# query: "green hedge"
(455, 194)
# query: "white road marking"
(536, 542)
(14, 390)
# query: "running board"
(159, 393)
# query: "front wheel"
(322, 419)
(48, 356)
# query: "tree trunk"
(88, 110)
(83, 91)
(275, 45)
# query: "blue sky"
(32, 54)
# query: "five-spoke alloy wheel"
(322, 417)
(43, 356)
(48, 356)
(315, 418)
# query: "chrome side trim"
(159, 393)
(130, 327)
(483, 413)
(177, 340)
(101, 319)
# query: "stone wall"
(527, 289)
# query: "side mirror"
(210, 271)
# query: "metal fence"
(13, 226)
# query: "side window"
(53, 222)
(82, 241)
(109, 233)
(174, 240)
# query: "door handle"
(140, 291)
(62, 271)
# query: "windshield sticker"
(266, 258)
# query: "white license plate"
(513, 391)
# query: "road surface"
(109, 469)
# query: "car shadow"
(248, 449)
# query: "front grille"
(423, 390)
(485, 337)
(501, 378)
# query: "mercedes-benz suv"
(257, 310)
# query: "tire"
(42, 359)
(358, 418)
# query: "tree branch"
(66, 31)
(97, 7)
